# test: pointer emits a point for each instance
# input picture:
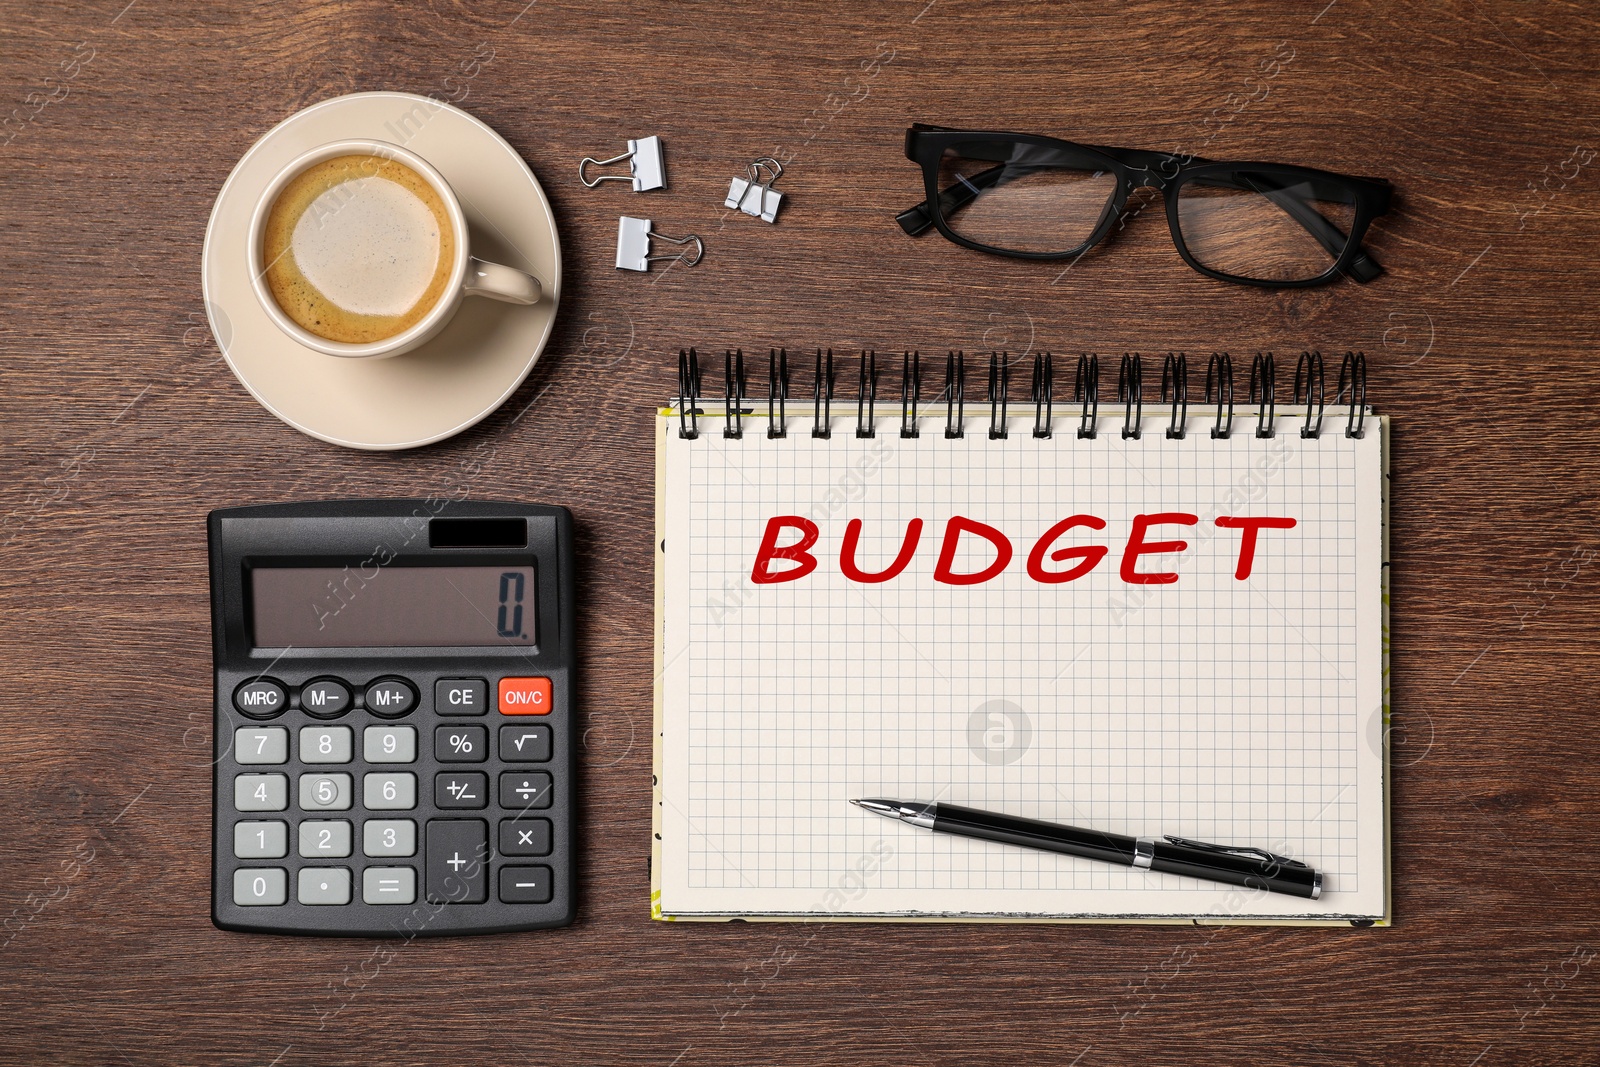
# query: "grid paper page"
(1246, 712)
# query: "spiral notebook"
(1149, 614)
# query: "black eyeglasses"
(1266, 224)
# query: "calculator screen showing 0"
(392, 606)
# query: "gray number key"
(320, 839)
(261, 792)
(389, 837)
(389, 792)
(260, 840)
(325, 744)
(263, 744)
(325, 792)
(389, 744)
(260, 886)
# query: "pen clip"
(1236, 850)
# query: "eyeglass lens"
(1023, 197)
(1264, 225)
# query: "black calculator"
(394, 717)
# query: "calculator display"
(374, 607)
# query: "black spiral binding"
(1086, 391)
(955, 395)
(1219, 375)
(735, 392)
(867, 395)
(910, 389)
(777, 392)
(1263, 390)
(1175, 391)
(688, 394)
(1308, 391)
(822, 409)
(999, 386)
(1353, 376)
(1042, 394)
(1130, 387)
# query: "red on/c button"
(524, 696)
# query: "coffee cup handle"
(500, 283)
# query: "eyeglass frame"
(1136, 168)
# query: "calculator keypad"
(339, 772)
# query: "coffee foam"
(358, 248)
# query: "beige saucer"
(454, 380)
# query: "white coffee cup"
(469, 276)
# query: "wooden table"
(122, 426)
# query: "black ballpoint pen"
(1254, 868)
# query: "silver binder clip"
(633, 245)
(646, 165)
(752, 196)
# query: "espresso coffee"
(358, 248)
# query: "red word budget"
(1083, 558)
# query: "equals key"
(524, 791)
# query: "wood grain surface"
(121, 427)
